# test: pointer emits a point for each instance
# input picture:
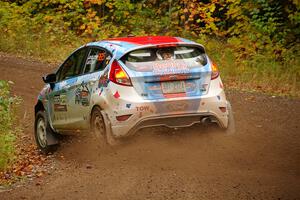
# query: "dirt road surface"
(261, 161)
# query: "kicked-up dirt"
(260, 161)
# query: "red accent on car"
(223, 109)
(166, 45)
(175, 95)
(143, 40)
(123, 117)
(117, 95)
(118, 75)
(175, 77)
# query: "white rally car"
(117, 86)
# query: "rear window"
(174, 57)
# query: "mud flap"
(230, 130)
(110, 138)
(50, 135)
(51, 139)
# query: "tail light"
(118, 75)
(215, 72)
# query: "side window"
(72, 65)
(96, 60)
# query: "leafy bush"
(24, 35)
(254, 42)
(7, 117)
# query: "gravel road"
(260, 161)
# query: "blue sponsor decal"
(82, 95)
(103, 81)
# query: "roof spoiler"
(163, 45)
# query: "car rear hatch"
(168, 72)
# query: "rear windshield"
(150, 59)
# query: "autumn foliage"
(253, 41)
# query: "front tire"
(43, 134)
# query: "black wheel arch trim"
(38, 106)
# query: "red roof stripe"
(143, 40)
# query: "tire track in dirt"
(261, 161)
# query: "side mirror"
(50, 78)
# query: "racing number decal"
(101, 56)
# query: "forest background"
(255, 43)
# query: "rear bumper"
(171, 121)
(173, 112)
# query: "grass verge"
(7, 130)
(255, 71)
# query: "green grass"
(43, 46)
(7, 130)
(259, 71)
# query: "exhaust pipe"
(205, 120)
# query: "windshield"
(166, 59)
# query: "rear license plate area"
(173, 87)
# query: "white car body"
(136, 82)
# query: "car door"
(81, 101)
(62, 93)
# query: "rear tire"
(230, 130)
(99, 130)
(43, 132)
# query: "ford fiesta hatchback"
(117, 86)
